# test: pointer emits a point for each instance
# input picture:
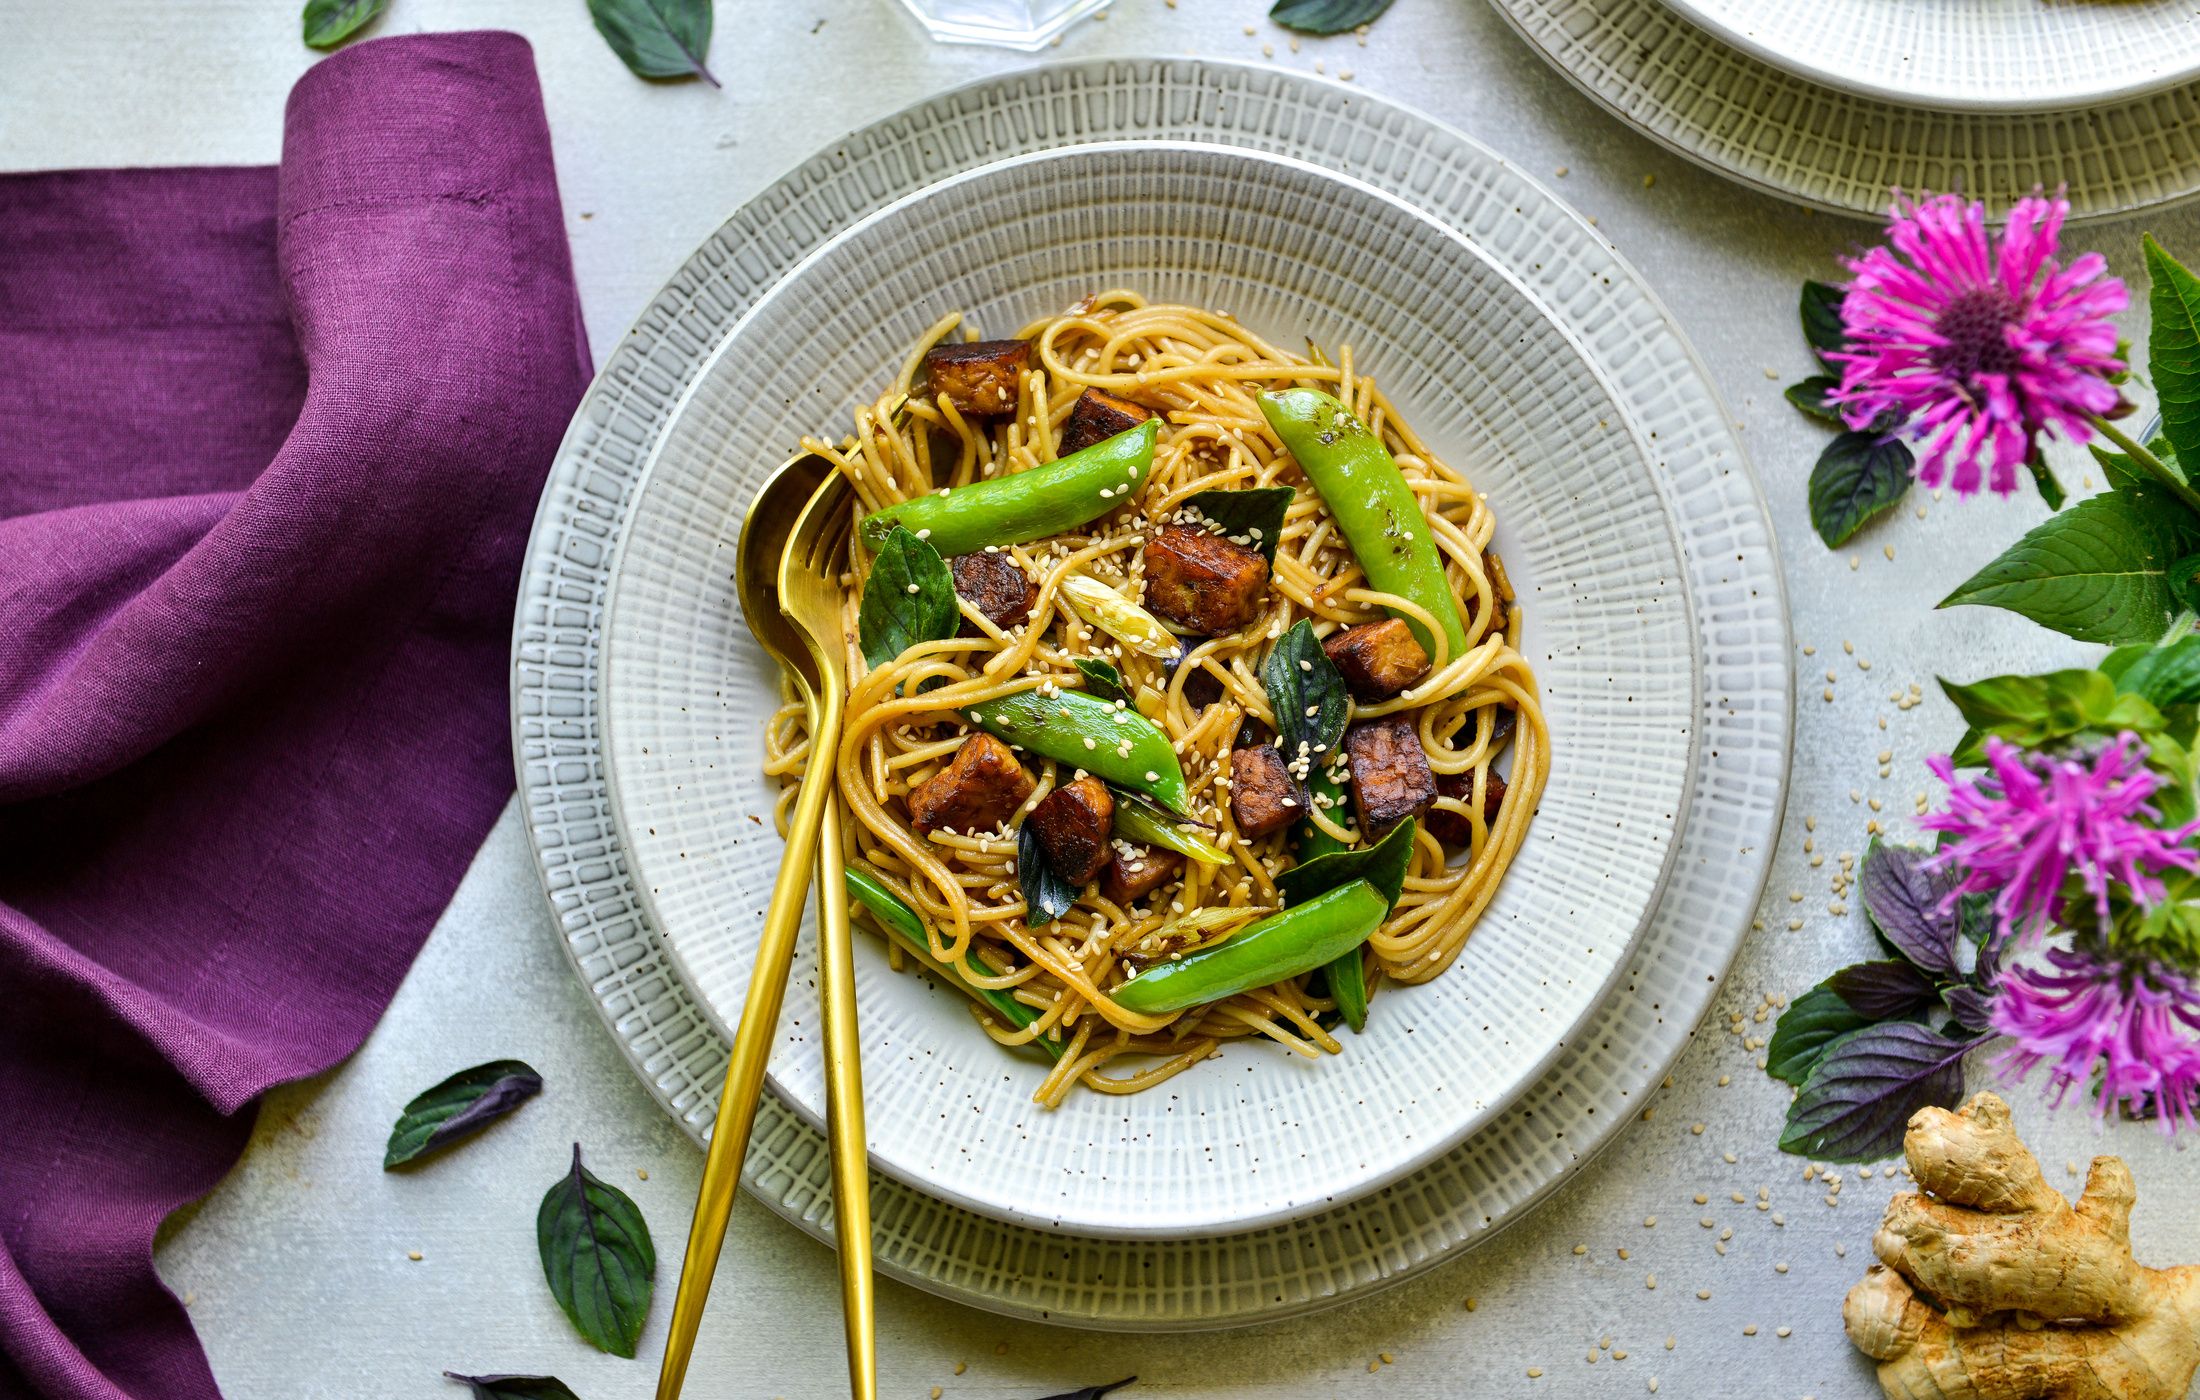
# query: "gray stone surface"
(297, 1269)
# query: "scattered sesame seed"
(413, 1254)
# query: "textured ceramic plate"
(1608, 1069)
(1977, 55)
(1501, 390)
(1727, 109)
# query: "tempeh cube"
(979, 376)
(1203, 582)
(1453, 828)
(1389, 772)
(1072, 823)
(1377, 659)
(1263, 796)
(1097, 416)
(980, 788)
(996, 585)
(1137, 871)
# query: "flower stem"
(2178, 627)
(2153, 465)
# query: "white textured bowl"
(1503, 390)
(1968, 55)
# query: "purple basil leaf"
(1904, 900)
(1972, 1006)
(465, 1103)
(1093, 1392)
(1883, 991)
(1812, 1022)
(515, 1387)
(1862, 1091)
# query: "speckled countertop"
(299, 1269)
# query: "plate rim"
(1317, 1202)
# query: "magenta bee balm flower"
(2080, 1009)
(2035, 819)
(1980, 341)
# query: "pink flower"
(1980, 342)
(2082, 1008)
(2035, 819)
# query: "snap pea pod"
(1119, 746)
(899, 920)
(1027, 505)
(1282, 945)
(1374, 507)
(1141, 821)
(1347, 974)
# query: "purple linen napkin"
(270, 442)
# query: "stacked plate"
(1837, 102)
(1253, 1185)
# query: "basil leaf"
(1382, 865)
(1886, 990)
(908, 599)
(2173, 347)
(1102, 680)
(1973, 1007)
(1821, 308)
(463, 1104)
(2037, 710)
(597, 1258)
(657, 38)
(1093, 1392)
(1811, 1022)
(2184, 582)
(515, 1387)
(1326, 16)
(1047, 896)
(1299, 677)
(1252, 517)
(2166, 676)
(1904, 899)
(328, 23)
(2097, 571)
(1809, 395)
(1859, 477)
(1861, 1093)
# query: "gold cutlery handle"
(844, 1112)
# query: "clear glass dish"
(1013, 24)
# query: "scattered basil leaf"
(1886, 990)
(1809, 395)
(1822, 329)
(2165, 676)
(1252, 516)
(2173, 347)
(657, 38)
(465, 1103)
(328, 23)
(1811, 1022)
(1094, 1392)
(1859, 1096)
(1859, 477)
(515, 1387)
(1298, 676)
(1102, 680)
(1047, 896)
(597, 1258)
(1382, 865)
(908, 599)
(1326, 16)
(1973, 1006)
(1904, 899)
(2097, 571)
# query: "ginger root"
(1992, 1286)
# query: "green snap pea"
(1026, 505)
(1119, 746)
(1374, 507)
(1143, 822)
(1347, 974)
(899, 920)
(1283, 945)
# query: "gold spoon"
(770, 542)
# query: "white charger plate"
(1499, 386)
(1694, 93)
(1969, 55)
(1608, 1070)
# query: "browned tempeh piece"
(996, 585)
(1072, 823)
(1263, 797)
(1453, 828)
(1389, 773)
(980, 788)
(1137, 871)
(1097, 416)
(979, 376)
(1377, 659)
(1203, 582)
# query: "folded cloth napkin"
(270, 442)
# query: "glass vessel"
(1013, 24)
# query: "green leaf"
(1859, 1097)
(908, 599)
(2035, 711)
(1811, 1022)
(2097, 571)
(515, 1387)
(1822, 328)
(1326, 16)
(1889, 989)
(1102, 680)
(461, 1105)
(1252, 517)
(1859, 477)
(657, 38)
(1298, 676)
(2173, 348)
(597, 1258)
(2184, 582)
(1382, 865)
(1809, 395)
(2166, 675)
(330, 22)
